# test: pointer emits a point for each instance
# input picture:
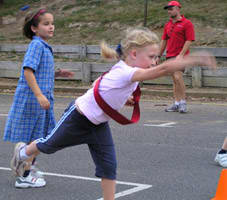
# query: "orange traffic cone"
(221, 193)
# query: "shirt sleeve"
(33, 55)
(189, 31)
(131, 73)
(123, 75)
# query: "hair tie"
(118, 50)
(41, 11)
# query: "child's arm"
(31, 80)
(170, 66)
(63, 73)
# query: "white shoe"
(29, 182)
(18, 166)
(221, 159)
(35, 172)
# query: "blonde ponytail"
(107, 52)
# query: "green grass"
(124, 13)
(11, 7)
(2, 38)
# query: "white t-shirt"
(115, 88)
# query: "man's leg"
(179, 86)
(221, 156)
(224, 146)
(179, 93)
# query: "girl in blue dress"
(32, 112)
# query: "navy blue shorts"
(73, 129)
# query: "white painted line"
(130, 191)
(137, 186)
(166, 125)
(4, 115)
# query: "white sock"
(23, 155)
(182, 101)
(177, 103)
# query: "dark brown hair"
(32, 19)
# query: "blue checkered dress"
(27, 121)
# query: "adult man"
(177, 37)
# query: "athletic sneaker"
(18, 166)
(29, 182)
(221, 159)
(35, 172)
(182, 108)
(173, 108)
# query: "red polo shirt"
(177, 34)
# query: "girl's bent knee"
(107, 170)
(46, 149)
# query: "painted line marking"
(4, 115)
(165, 125)
(137, 186)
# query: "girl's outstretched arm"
(172, 65)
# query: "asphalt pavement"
(166, 156)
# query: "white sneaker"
(16, 164)
(221, 159)
(29, 182)
(35, 172)
(182, 108)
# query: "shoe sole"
(218, 163)
(183, 112)
(25, 185)
(171, 111)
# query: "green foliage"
(92, 20)
(67, 7)
(59, 23)
(2, 38)
(17, 3)
(89, 2)
(11, 7)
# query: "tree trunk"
(1, 2)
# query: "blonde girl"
(84, 122)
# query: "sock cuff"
(22, 153)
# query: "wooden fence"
(89, 71)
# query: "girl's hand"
(43, 101)
(64, 73)
(179, 56)
(130, 101)
(158, 60)
(205, 59)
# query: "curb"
(195, 93)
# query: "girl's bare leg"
(32, 150)
(108, 188)
(224, 146)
